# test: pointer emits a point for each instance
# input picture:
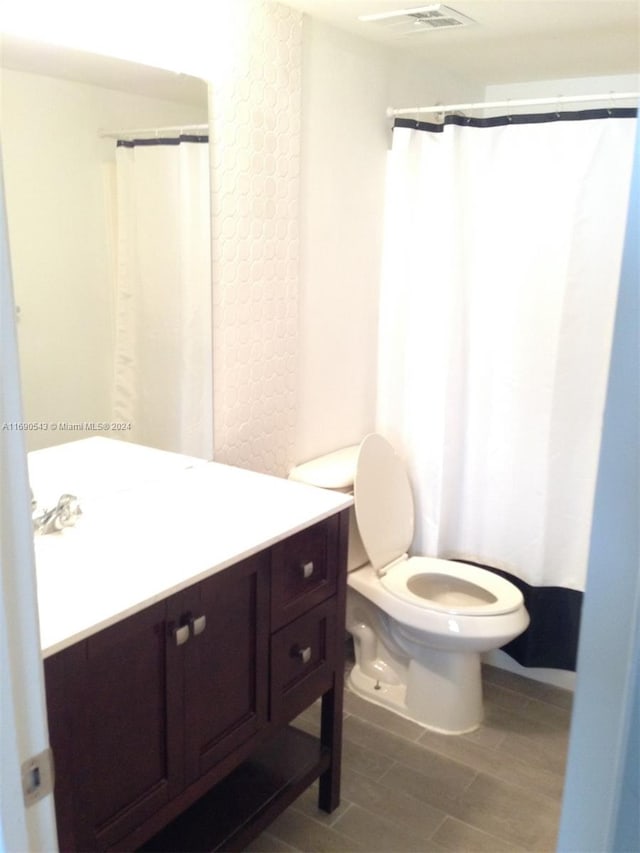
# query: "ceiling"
(53, 60)
(512, 40)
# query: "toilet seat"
(385, 514)
(458, 588)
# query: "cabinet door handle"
(307, 569)
(181, 634)
(304, 654)
(198, 624)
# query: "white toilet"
(419, 623)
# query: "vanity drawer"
(303, 659)
(303, 571)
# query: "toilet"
(419, 624)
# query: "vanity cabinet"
(163, 724)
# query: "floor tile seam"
(538, 780)
(538, 748)
(527, 695)
(490, 835)
(409, 739)
(386, 770)
(412, 739)
(523, 765)
(565, 704)
(415, 739)
(455, 811)
(500, 832)
(540, 734)
(512, 707)
(417, 743)
(541, 730)
(391, 824)
(535, 715)
(550, 704)
(290, 848)
(496, 747)
(473, 771)
(445, 817)
(523, 787)
(490, 753)
(392, 788)
(542, 758)
(452, 798)
(467, 765)
(526, 786)
(325, 824)
(470, 783)
(506, 681)
(502, 829)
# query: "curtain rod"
(526, 102)
(180, 128)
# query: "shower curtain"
(503, 241)
(163, 384)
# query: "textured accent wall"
(255, 105)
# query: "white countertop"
(153, 531)
(96, 466)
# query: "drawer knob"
(303, 654)
(307, 569)
(181, 635)
(198, 624)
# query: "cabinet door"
(117, 730)
(226, 663)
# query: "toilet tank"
(336, 471)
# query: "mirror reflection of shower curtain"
(163, 384)
(502, 255)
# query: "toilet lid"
(383, 502)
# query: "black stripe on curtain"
(525, 118)
(161, 140)
(551, 640)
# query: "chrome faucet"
(64, 514)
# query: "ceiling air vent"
(422, 19)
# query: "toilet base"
(444, 696)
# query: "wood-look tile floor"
(407, 790)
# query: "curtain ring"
(611, 105)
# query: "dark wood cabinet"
(226, 666)
(114, 728)
(184, 699)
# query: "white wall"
(347, 85)
(567, 87)
(56, 173)
(255, 143)
(344, 143)
(416, 83)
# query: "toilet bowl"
(419, 623)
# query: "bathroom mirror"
(73, 230)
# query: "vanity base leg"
(331, 738)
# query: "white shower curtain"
(502, 254)
(163, 382)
